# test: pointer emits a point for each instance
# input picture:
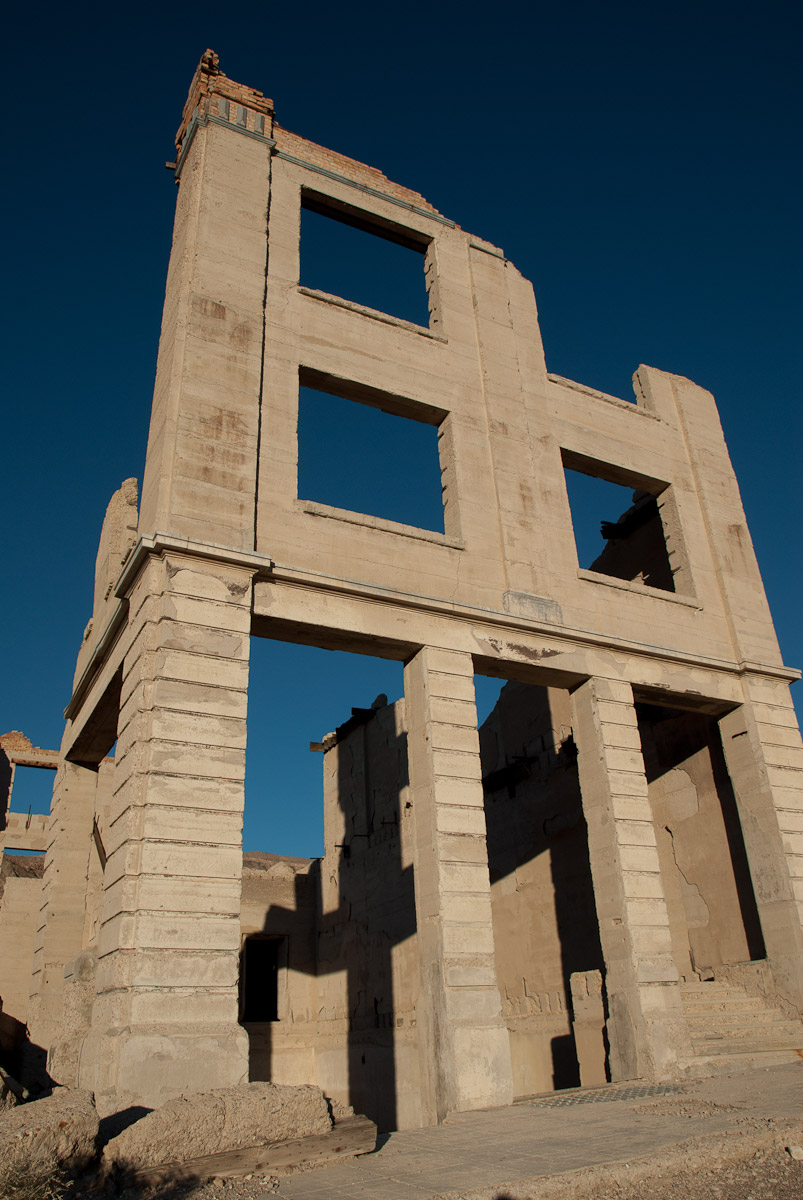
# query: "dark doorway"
(259, 979)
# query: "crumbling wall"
(73, 1019)
(117, 537)
(635, 548)
(19, 830)
(20, 899)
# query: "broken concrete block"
(251, 1114)
(62, 1127)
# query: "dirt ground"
(752, 1163)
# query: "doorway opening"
(713, 916)
(546, 933)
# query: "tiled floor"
(542, 1137)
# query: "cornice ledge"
(161, 543)
(148, 544)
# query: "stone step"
(765, 1045)
(704, 1065)
(745, 1015)
(708, 993)
(733, 1031)
(718, 995)
(734, 1020)
(772, 1035)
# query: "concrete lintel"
(565, 638)
(562, 381)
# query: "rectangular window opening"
(32, 790)
(361, 258)
(619, 521)
(370, 453)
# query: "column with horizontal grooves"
(464, 1045)
(647, 1030)
(165, 1016)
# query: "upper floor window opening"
(366, 260)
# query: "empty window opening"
(381, 266)
(546, 932)
(32, 790)
(259, 979)
(356, 456)
(296, 695)
(618, 528)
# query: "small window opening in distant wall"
(369, 452)
(32, 789)
(625, 525)
(378, 264)
(259, 978)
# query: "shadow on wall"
(24, 1060)
(542, 895)
(350, 922)
(359, 901)
(712, 907)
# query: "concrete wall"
(227, 549)
(280, 898)
(367, 962)
(713, 914)
(20, 893)
(542, 896)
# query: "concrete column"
(61, 919)
(165, 1017)
(463, 1043)
(647, 1031)
(764, 757)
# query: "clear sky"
(639, 163)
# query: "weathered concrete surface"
(20, 898)
(279, 902)
(76, 1018)
(63, 1127)
(148, 877)
(218, 1122)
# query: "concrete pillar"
(647, 1031)
(165, 1017)
(764, 757)
(463, 1043)
(60, 929)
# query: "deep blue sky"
(639, 163)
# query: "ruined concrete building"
(551, 900)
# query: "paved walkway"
(543, 1136)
